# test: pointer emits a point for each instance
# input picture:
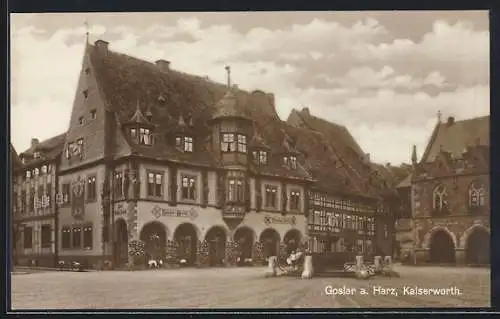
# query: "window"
(242, 143)
(79, 143)
(87, 237)
(228, 143)
(66, 238)
(66, 193)
(36, 155)
(477, 194)
(188, 144)
(80, 120)
(188, 187)
(155, 183)
(28, 237)
(118, 184)
(71, 150)
(285, 160)
(271, 192)
(145, 136)
(294, 200)
(36, 171)
(77, 237)
(262, 157)
(178, 143)
(46, 236)
(293, 162)
(44, 169)
(28, 174)
(93, 114)
(133, 133)
(440, 198)
(91, 189)
(235, 193)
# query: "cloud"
(386, 90)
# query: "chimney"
(451, 121)
(388, 165)
(34, 142)
(306, 110)
(414, 155)
(367, 157)
(271, 99)
(163, 65)
(101, 46)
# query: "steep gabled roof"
(14, 159)
(49, 149)
(455, 136)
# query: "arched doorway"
(442, 248)
(292, 240)
(478, 247)
(270, 239)
(186, 239)
(121, 242)
(245, 237)
(216, 239)
(154, 236)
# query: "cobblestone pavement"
(241, 288)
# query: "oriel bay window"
(188, 187)
(228, 143)
(271, 196)
(295, 200)
(155, 183)
(235, 193)
(242, 143)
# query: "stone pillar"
(229, 259)
(359, 262)
(202, 254)
(377, 263)
(460, 256)
(308, 267)
(421, 256)
(388, 262)
(271, 269)
(282, 255)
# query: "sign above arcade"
(158, 212)
(291, 220)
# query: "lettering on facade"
(280, 220)
(120, 210)
(158, 212)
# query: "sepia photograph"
(250, 160)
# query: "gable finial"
(228, 71)
(414, 155)
(87, 31)
(439, 115)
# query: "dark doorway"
(442, 250)
(244, 236)
(292, 241)
(270, 239)
(216, 239)
(186, 240)
(121, 242)
(154, 236)
(478, 247)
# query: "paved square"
(240, 288)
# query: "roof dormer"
(289, 153)
(139, 128)
(259, 148)
(184, 134)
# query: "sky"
(384, 75)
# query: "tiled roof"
(173, 97)
(454, 137)
(49, 149)
(406, 182)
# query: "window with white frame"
(271, 200)
(145, 137)
(235, 191)
(228, 143)
(295, 200)
(242, 143)
(188, 187)
(155, 184)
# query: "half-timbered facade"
(450, 194)
(34, 201)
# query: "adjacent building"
(34, 203)
(450, 194)
(204, 171)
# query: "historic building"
(34, 205)
(353, 201)
(16, 168)
(450, 194)
(403, 227)
(206, 172)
